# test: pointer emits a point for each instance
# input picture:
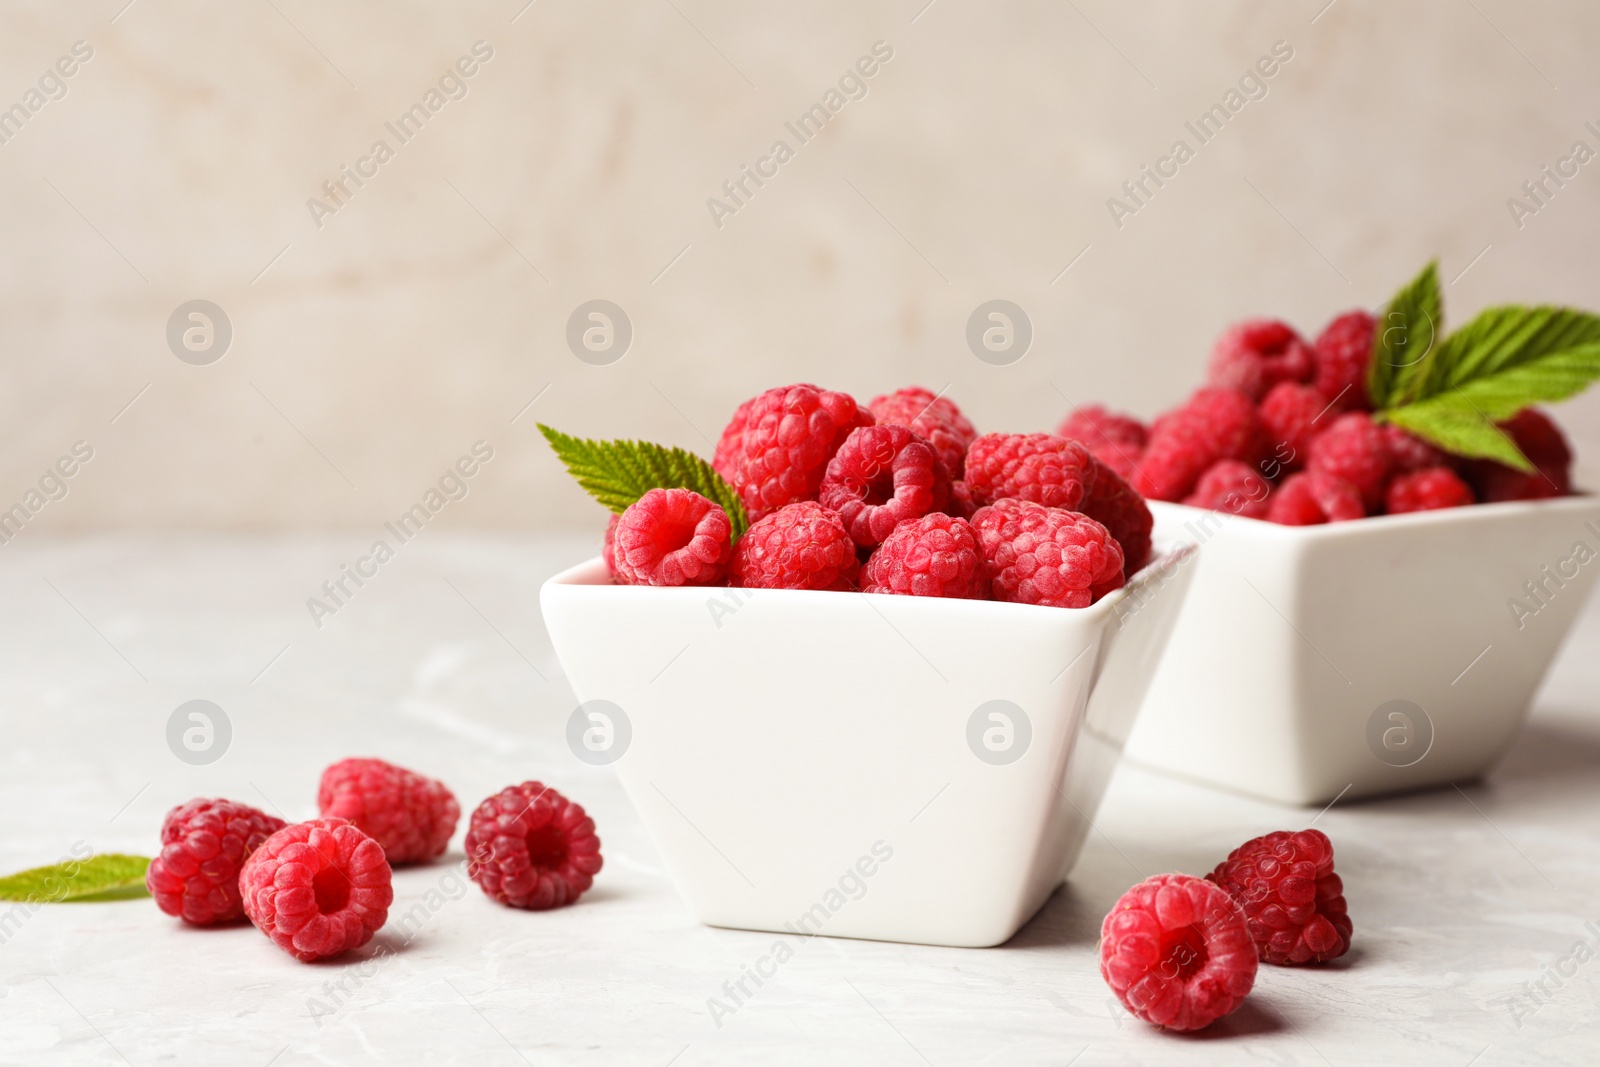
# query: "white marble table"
(441, 663)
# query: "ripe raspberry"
(1214, 424)
(936, 555)
(673, 537)
(1114, 504)
(1344, 355)
(1427, 490)
(1354, 450)
(1542, 442)
(1293, 902)
(1408, 452)
(317, 888)
(203, 845)
(1114, 439)
(1040, 467)
(1233, 487)
(880, 477)
(799, 546)
(530, 847)
(1291, 415)
(777, 447)
(934, 418)
(1254, 355)
(608, 547)
(1040, 555)
(1311, 498)
(1176, 952)
(411, 817)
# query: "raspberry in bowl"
(895, 712)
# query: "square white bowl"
(1365, 657)
(820, 762)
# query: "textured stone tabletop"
(1475, 910)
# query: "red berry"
(530, 847)
(880, 477)
(777, 447)
(936, 555)
(1354, 450)
(1214, 424)
(1427, 490)
(1048, 556)
(1176, 952)
(934, 418)
(1408, 452)
(1114, 439)
(411, 817)
(1344, 356)
(608, 549)
(1114, 504)
(1311, 498)
(1291, 415)
(1254, 355)
(1234, 487)
(1293, 902)
(1541, 441)
(799, 546)
(317, 888)
(673, 537)
(1040, 467)
(204, 843)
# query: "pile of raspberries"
(899, 496)
(1181, 952)
(1283, 431)
(323, 887)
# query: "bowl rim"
(1162, 565)
(1377, 525)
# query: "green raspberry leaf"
(1404, 339)
(112, 876)
(1458, 427)
(1510, 357)
(617, 473)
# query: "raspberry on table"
(673, 537)
(1177, 953)
(1408, 452)
(204, 843)
(1293, 903)
(934, 418)
(1233, 487)
(530, 847)
(411, 817)
(1040, 467)
(880, 477)
(1541, 441)
(1344, 357)
(1114, 439)
(1428, 489)
(1114, 504)
(1291, 416)
(1354, 449)
(1254, 355)
(799, 546)
(1311, 498)
(1047, 556)
(777, 447)
(317, 888)
(936, 555)
(1214, 424)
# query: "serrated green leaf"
(113, 876)
(1509, 357)
(1454, 425)
(1404, 340)
(617, 473)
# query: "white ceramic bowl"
(1365, 657)
(886, 767)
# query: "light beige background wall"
(371, 351)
